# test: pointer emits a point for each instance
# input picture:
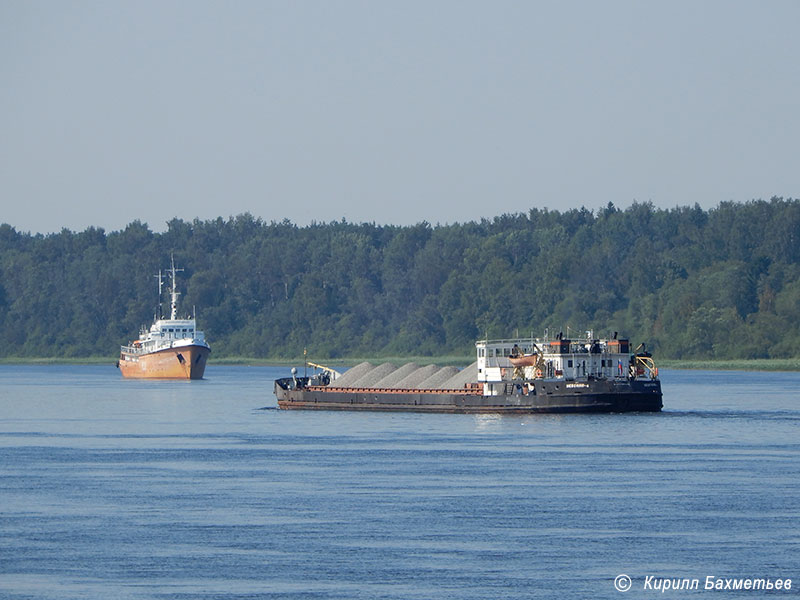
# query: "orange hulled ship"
(171, 349)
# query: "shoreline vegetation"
(766, 364)
(693, 284)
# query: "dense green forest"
(722, 283)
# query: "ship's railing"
(538, 341)
(468, 390)
(504, 363)
(141, 349)
(153, 345)
(575, 347)
(508, 342)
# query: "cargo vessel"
(171, 348)
(513, 376)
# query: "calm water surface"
(112, 488)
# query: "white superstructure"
(167, 333)
(572, 361)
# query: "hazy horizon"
(163, 227)
(392, 113)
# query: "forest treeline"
(722, 283)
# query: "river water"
(113, 488)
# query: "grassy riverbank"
(458, 361)
(770, 364)
(52, 360)
(757, 364)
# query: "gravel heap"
(392, 378)
(353, 374)
(459, 380)
(413, 379)
(408, 377)
(372, 377)
(438, 378)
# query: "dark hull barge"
(508, 377)
(590, 397)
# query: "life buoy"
(537, 373)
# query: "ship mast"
(174, 293)
(160, 278)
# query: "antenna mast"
(174, 293)
(160, 278)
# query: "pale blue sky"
(393, 112)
